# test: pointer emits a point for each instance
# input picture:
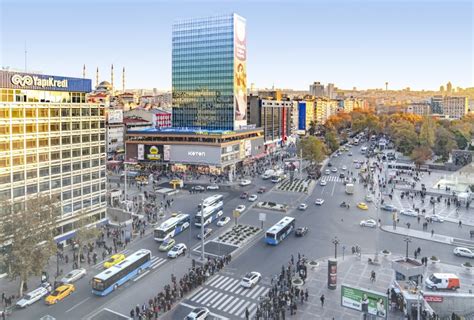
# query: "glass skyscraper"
(209, 73)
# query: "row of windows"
(180, 64)
(219, 78)
(199, 43)
(205, 51)
(77, 206)
(202, 69)
(55, 170)
(50, 127)
(202, 57)
(203, 34)
(50, 185)
(46, 157)
(65, 141)
(11, 95)
(35, 112)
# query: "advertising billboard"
(302, 116)
(153, 153)
(30, 81)
(114, 116)
(257, 147)
(240, 72)
(190, 154)
(369, 302)
(166, 152)
(141, 152)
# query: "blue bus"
(172, 227)
(115, 276)
(280, 231)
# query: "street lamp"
(407, 240)
(202, 230)
(377, 207)
(335, 241)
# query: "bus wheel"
(115, 287)
(139, 271)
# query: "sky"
(419, 44)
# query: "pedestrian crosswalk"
(331, 179)
(225, 294)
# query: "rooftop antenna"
(84, 71)
(97, 78)
(26, 59)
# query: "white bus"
(211, 200)
(113, 277)
(280, 231)
(172, 227)
(211, 213)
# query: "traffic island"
(281, 207)
(297, 185)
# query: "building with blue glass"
(209, 76)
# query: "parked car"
(253, 197)
(245, 182)
(240, 208)
(198, 188)
(32, 297)
(442, 281)
(327, 172)
(463, 252)
(303, 206)
(369, 198)
(371, 223)
(223, 221)
(301, 231)
(60, 293)
(250, 279)
(435, 218)
(74, 275)
(177, 250)
(207, 233)
(199, 313)
(363, 206)
(113, 260)
(213, 187)
(167, 244)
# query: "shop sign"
(141, 152)
(197, 153)
(366, 301)
(153, 153)
(30, 80)
(166, 152)
(433, 298)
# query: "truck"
(350, 188)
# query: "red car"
(244, 195)
(262, 190)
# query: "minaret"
(97, 78)
(123, 80)
(84, 71)
(386, 86)
(112, 78)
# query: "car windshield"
(27, 297)
(56, 292)
(70, 275)
(175, 249)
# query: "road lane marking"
(141, 276)
(223, 304)
(236, 306)
(204, 301)
(77, 304)
(211, 313)
(242, 310)
(333, 187)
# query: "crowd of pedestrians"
(164, 300)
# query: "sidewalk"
(418, 234)
(353, 271)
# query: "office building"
(209, 77)
(52, 142)
(317, 89)
(331, 93)
(419, 108)
(115, 132)
(437, 104)
(455, 107)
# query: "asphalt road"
(325, 222)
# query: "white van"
(442, 281)
(32, 297)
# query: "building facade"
(419, 108)
(115, 131)
(317, 89)
(159, 118)
(209, 77)
(455, 107)
(52, 142)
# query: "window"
(76, 139)
(44, 186)
(18, 161)
(43, 127)
(65, 126)
(66, 167)
(66, 140)
(17, 144)
(18, 113)
(17, 128)
(85, 112)
(76, 192)
(4, 146)
(55, 170)
(76, 112)
(44, 172)
(56, 183)
(43, 157)
(66, 181)
(76, 179)
(95, 125)
(86, 164)
(67, 195)
(76, 153)
(77, 206)
(95, 175)
(31, 189)
(4, 129)
(54, 127)
(31, 143)
(65, 112)
(56, 155)
(95, 187)
(76, 166)
(85, 151)
(43, 113)
(85, 138)
(43, 142)
(18, 176)
(55, 141)
(66, 154)
(95, 162)
(67, 209)
(31, 174)
(4, 113)
(30, 128)
(18, 192)
(31, 158)
(86, 125)
(5, 179)
(86, 177)
(95, 150)
(76, 126)
(55, 112)
(86, 190)
(86, 203)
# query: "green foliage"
(444, 143)
(331, 140)
(312, 128)
(427, 132)
(420, 155)
(86, 232)
(312, 149)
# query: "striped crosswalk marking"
(230, 305)
(215, 279)
(216, 302)
(236, 306)
(252, 310)
(219, 282)
(249, 292)
(235, 287)
(259, 293)
(223, 304)
(210, 297)
(200, 294)
(241, 311)
(223, 283)
(231, 284)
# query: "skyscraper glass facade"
(204, 81)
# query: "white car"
(253, 197)
(199, 313)
(223, 221)
(213, 187)
(369, 198)
(319, 202)
(74, 275)
(344, 168)
(371, 223)
(303, 207)
(409, 212)
(463, 252)
(358, 166)
(245, 182)
(355, 161)
(32, 297)
(240, 208)
(436, 218)
(334, 169)
(350, 154)
(250, 279)
(322, 182)
(327, 172)
(177, 250)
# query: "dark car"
(342, 175)
(262, 190)
(329, 164)
(244, 195)
(301, 231)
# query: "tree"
(29, 227)
(331, 140)
(312, 149)
(86, 231)
(427, 132)
(420, 155)
(312, 128)
(444, 142)
(404, 136)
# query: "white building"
(317, 89)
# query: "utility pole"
(202, 231)
(336, 243)
(376, 257)
(407, 240)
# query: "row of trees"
(27, 232)
(413, 135)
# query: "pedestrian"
(132, 314)
(322, 300)
(432, 232)
(306, 294)
(460, 224)
(247, 314)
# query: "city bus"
(115, 276)
(280, 231)
(211, 200)
(211, 213)
(172, 227)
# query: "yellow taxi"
(60, 293)
(363, 206)
(116, 258)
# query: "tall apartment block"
(52, 142)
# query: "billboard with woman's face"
(240, 72)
